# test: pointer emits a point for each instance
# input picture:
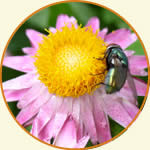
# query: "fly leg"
(98, 73)
(97, 85)
(102, 57)
(99, 58)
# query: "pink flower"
(72, 121)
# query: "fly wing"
(131, 84)
(120, 75)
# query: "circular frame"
(148, 83)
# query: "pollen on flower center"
(66, 61)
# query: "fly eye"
(113, 45)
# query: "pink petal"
(29, 50)
(29, 122)
(127, 94)
(21, 82)
(129, 53)
(47, 132)
(59, 121)
(53, 30)
(122, 37)
(101, 120)
(82, 142)
(14, 95)
(88, 118)
(130, 108)
(141, 87)
(76, 111)
(21, 63)
(66, 105)
(68, 136)
(34, 37)
(39, 122)
(103, 33)
(94, 23)
(47, 111)
(116, 111)
(30, 95)
(62, 20)
(31, 110)
(71, 21)
(63, 110)
(76, 114)
(137, 65)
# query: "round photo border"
(93, 3)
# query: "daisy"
(56, 94)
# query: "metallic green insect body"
(118, 70)
(117, 65)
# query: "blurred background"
(46, 18)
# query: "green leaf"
(28, 128)
(82, 11)
(52, 140)
(40, 19)
(109, 19)
(115, 127)
(115, 130)
(56, 10)
(89, 144)
(137, 47)
(144, 78)
(8, 73)
(48, 16)
(140, 101)
(13, 108)
(19, 41)
(39, 22)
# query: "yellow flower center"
(66, 61)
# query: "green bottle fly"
(118, 70)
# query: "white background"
(135, 12)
